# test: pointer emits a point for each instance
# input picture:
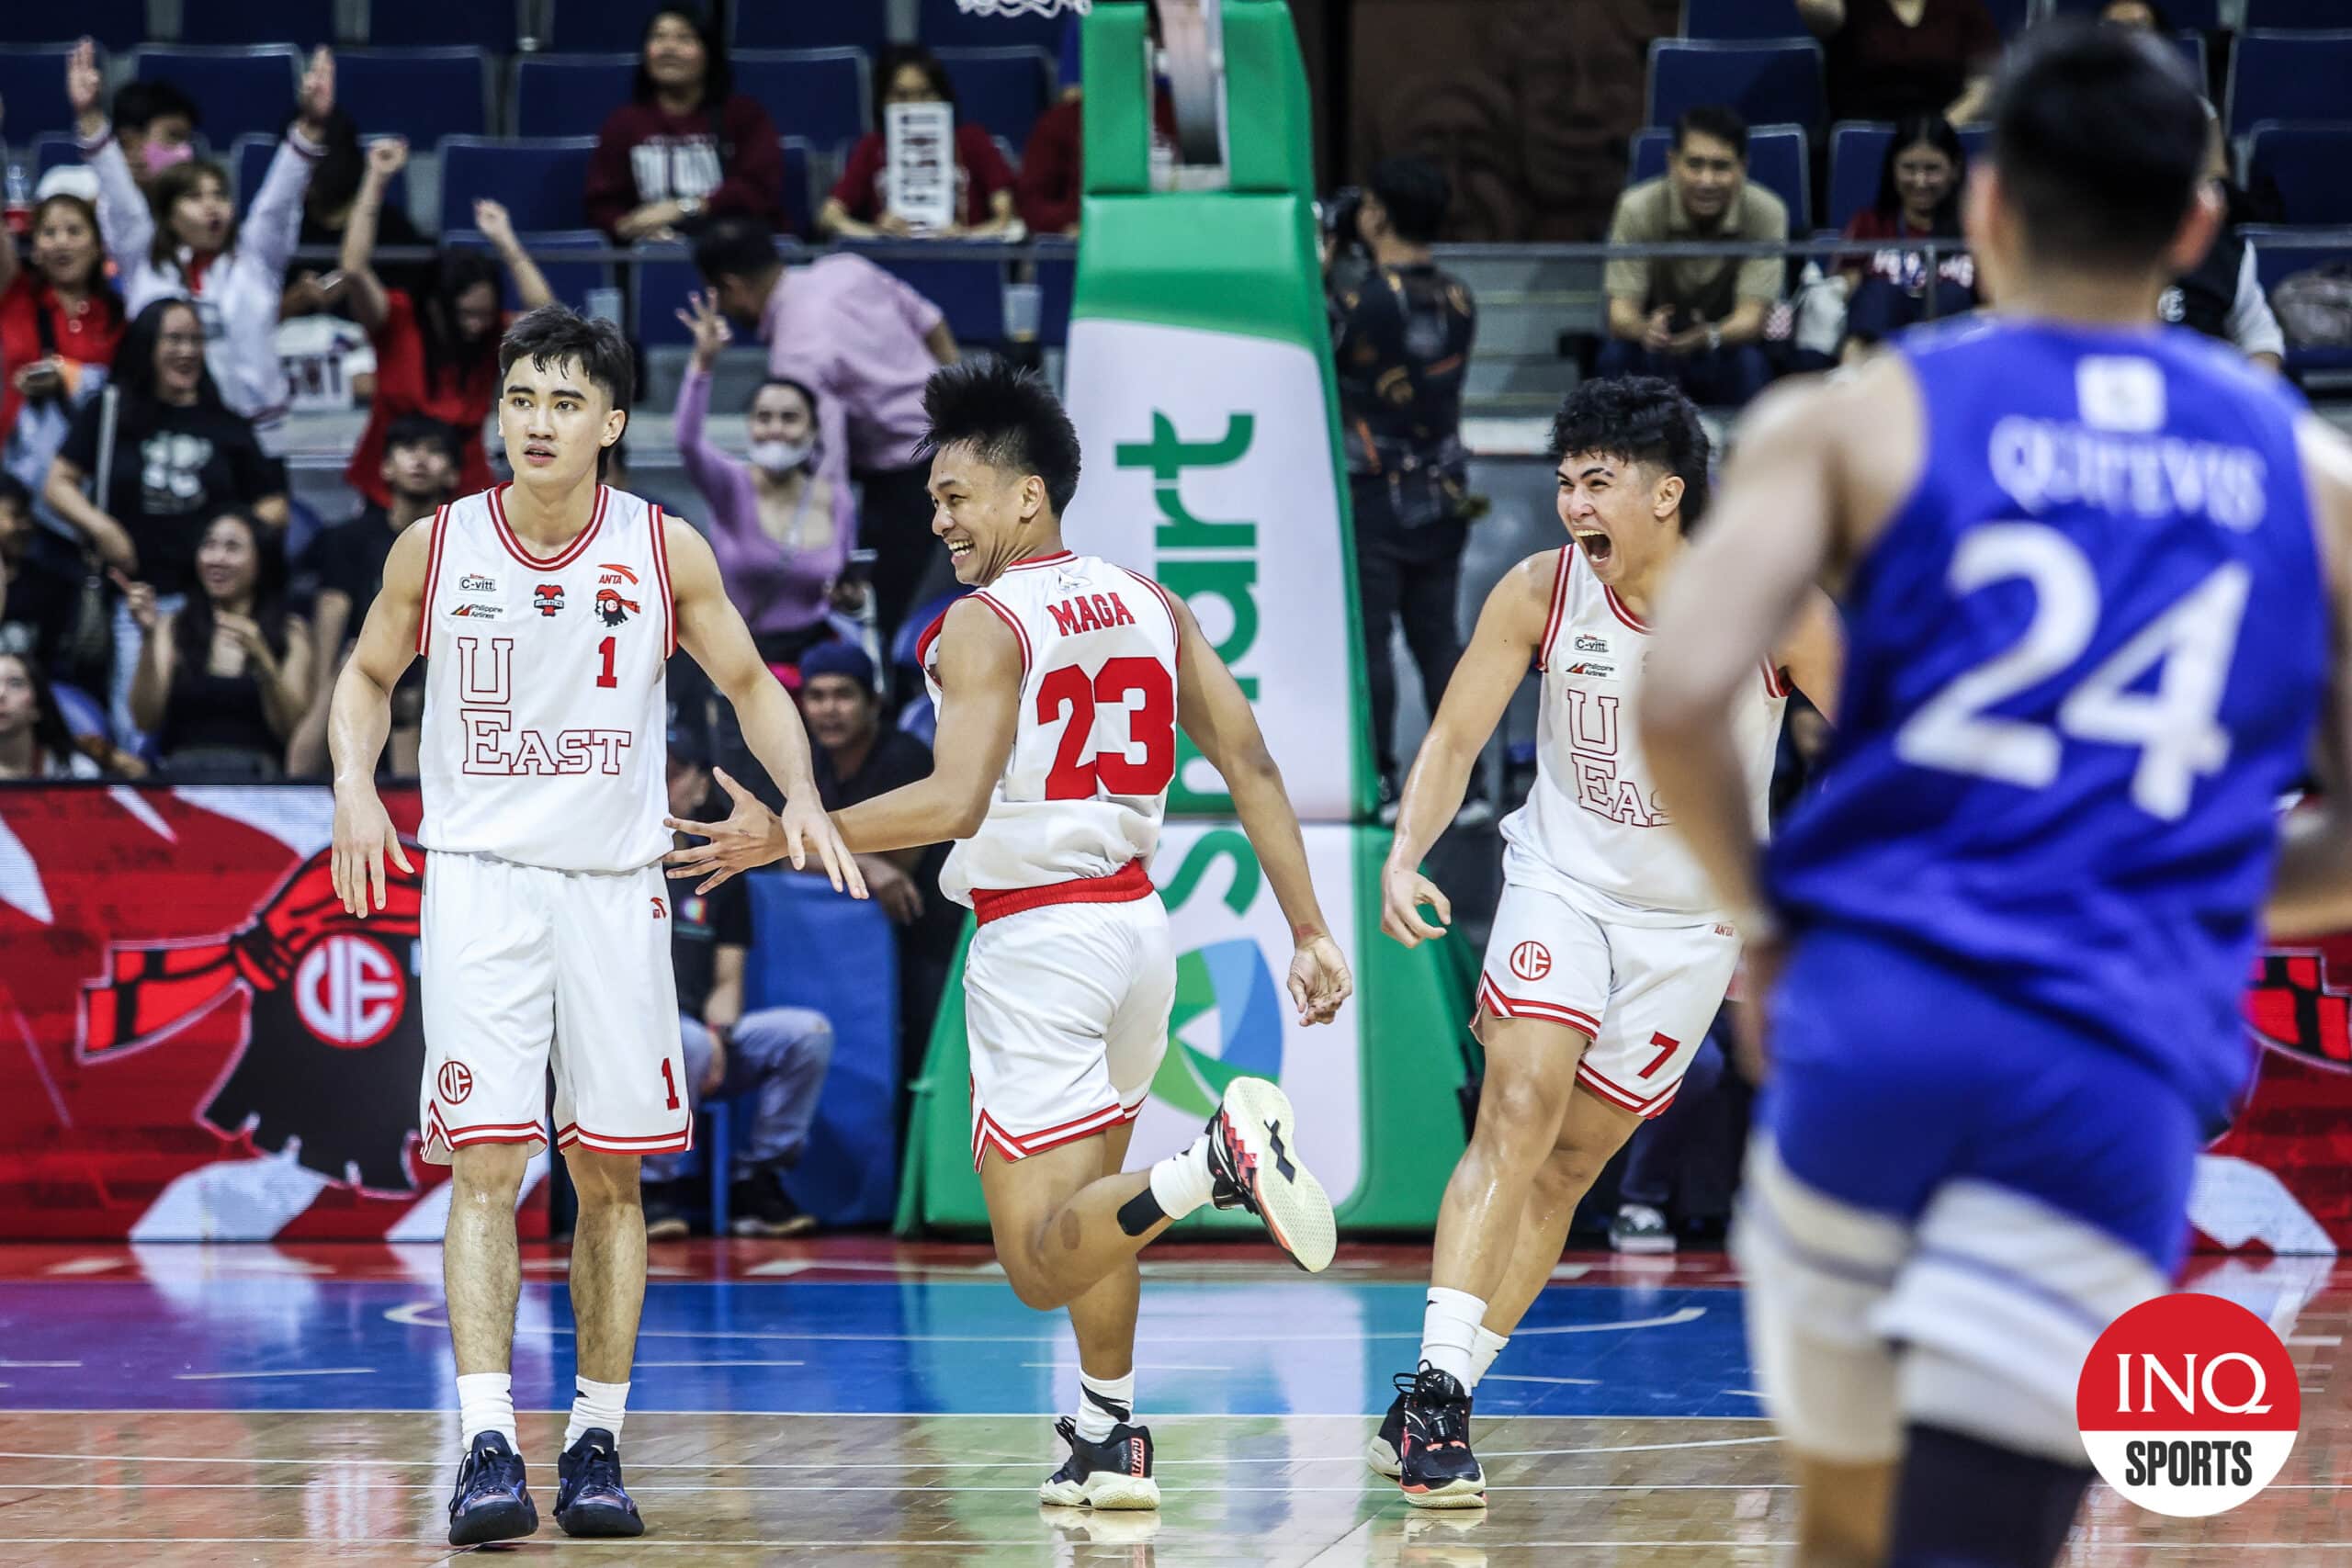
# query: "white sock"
(1102, 1404)
(596, 1403)
(1482, 1355)
(1182, 1182)
(486, 1403)
(1450, 1332)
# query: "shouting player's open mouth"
(1594, 542)
(538, 454)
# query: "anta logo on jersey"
(1588, 643)
(493, 746)
(475, 583)
(1090, 613)
(547, 598)
(1593, 741)
(613, 573)
(612, 609)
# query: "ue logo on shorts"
(349, 991)
(2188, 1405)
(1530, 961)
(455, 1081)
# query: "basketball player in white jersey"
(1060, 686)
(547, 609)
(1609, 958)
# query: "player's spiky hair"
(1638, 419)
(1009, 416)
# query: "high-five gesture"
(753, 836)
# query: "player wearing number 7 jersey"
(2094, 575)
(1060, 685)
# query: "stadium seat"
(1741, 19)
(600, 27)
(1768, 84)
(305, 24)
(1056, 288)
(577, 284)
(116, 25)
(570, 95)
(249, 163)
(240, 90)
(32, 85)
(815, 26)
(944, 25)
(1856, 148)
(2193, 16)
(2310, 165)
(2289, 76)
(659, 285)
(2279, 254)
(421, 94)
(799, 185)
(1776, 160)
(51, 148)
(819, 94)
(1002, 89)
(539, 181)
(2011, 16)
(2288, 16)
(488, 24)
(969, 289)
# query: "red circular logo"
(349, 991)
(455, 1081)
(1530, 961)
(2188, 1405)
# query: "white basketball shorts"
(1066, 1009)
(1644, 995)
(525, 968)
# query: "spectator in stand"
(60, 321)
(181, 238)
(40, 584)
(2222, 296)
(1919, 198)
(860, 207)
(782, 531)
(778, 1056)
(344, 569)
(857, 758)
(223, 680)
(864, 344)
(330, 362)
(1695, 322)
(437, 355)
(2142, 14)
(686, 147)
(34, 740)
(1888, 59)
(179, 456)
(1047, 191)
(154, 123)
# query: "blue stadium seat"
(1001, 89)
(2193, 50)
(1776, 160)
(575, 283)
(2304, 15)
(658, 287)
(416, 24)
(305, 24)
(968, 290)
(2011, 16)
(240, 90)
(421, 94)
(2193, 16)
(1768, 84)
(799, 185)
(1057, 286)
(601, 27)
(1856, 148)
(117, 25)
(2274, 261)
(815, 26)
(944, 26)
(32, 85)
(539, 181)
(1741, 19)
(51, 148)
(819, 94)
(249, 163)
(570, 95)
(2289, 76)
(2311, 167)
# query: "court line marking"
(1523, 1377)
(1140, 1366)
(83, 1266)
(2314, 1339)
(722, 1363)
(40, 1363)
(287, 1372)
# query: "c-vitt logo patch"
(2188, 1405)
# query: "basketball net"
(1193, 39)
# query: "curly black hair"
(1639, 418)
(1010, 416)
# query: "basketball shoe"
(1381, 1452)
(589, 1497)
(1113, 1473)
(1254, 1164)
(493, 1501)
(1435, 1466)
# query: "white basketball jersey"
(1593, 829)
(1084, 790)
(545, 712)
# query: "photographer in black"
(1401, 329)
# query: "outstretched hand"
(1319, 980)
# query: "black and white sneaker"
(1381, 1452)
(589, 1497)
(1640, 1229)
(1254, 1160)
(1435, 1466)
(492, 1501)
(1113, 1473)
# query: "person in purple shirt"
(865, 344)
(781, 528)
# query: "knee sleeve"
(1964, 1503)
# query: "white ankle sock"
(1482, 1355)
(596, 1403)
(486, 1403)
(1102, 1404)
(1182, 1182)
(1450, 1332)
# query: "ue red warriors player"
(547, 609)
(1060, 685)
(1610, 953)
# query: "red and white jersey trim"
(432, 582)
(562, 557)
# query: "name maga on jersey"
(1090, 613)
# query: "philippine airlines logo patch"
(2188, 1405)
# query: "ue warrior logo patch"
(612, 609)
(547, 598)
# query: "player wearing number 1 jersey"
(1060, 685)
(2094, 580)
(546, 609)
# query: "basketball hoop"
(1023, 7)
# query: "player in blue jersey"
(2093, 577)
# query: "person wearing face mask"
(782, 530)
(60, 319)
(181, 237)
(155, 125)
